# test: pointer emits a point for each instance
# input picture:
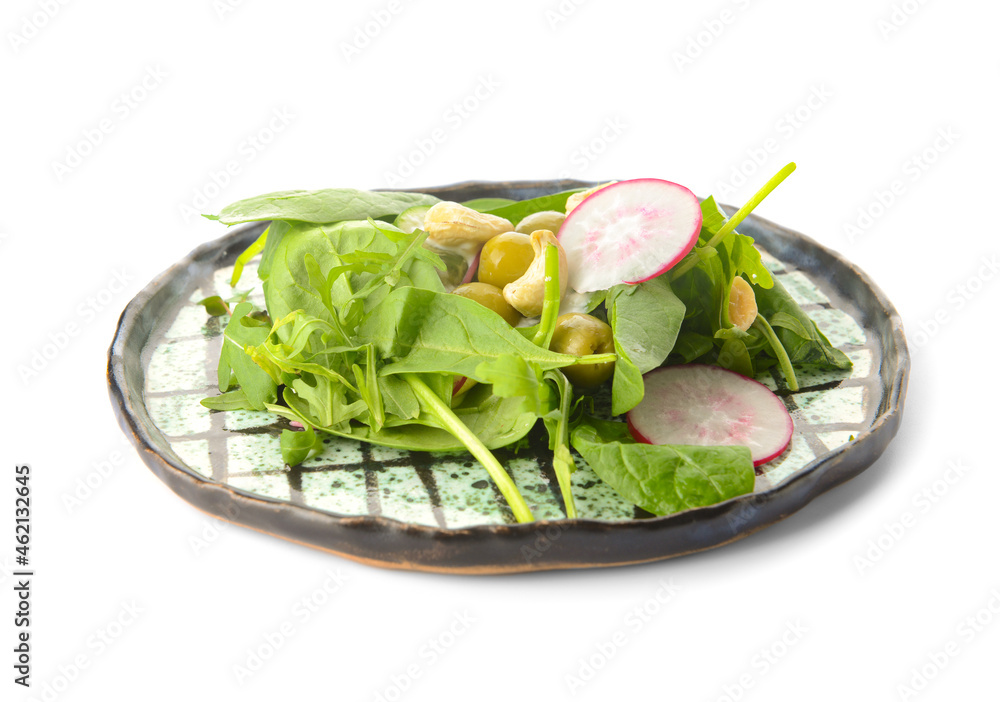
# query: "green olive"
(505, 258)
(583, 335)
(489, 296)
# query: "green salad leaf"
(520, 209)
(663, 479)
(645, 319)
(321, 206)
(805, 344)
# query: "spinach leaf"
(485, 204)
(512, 376)
(424, 331)
(214, 305)
(297, 445)
(321, 206)
(497, 421)
(803, 341)
(663, 479)
(517, 211)
(691, 346)
(645, 319)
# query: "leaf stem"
(447, 420)
(550, 306)
(779, 351)
(737, 218)
(562, 460)
(595, 358)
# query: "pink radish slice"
(710, 406)
(629, 232)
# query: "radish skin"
(704, 405)
(629, 232)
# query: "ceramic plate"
(441, 512)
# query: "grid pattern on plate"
(451, 490)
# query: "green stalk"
(550, 306)
(779, 351)
(562, 460)
(596, 358)
(737, 218)
(447, 420)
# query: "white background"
(594, 90)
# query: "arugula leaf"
(232, 400)
(242, 331)
(803, 341)
(517, 211)
(337, 272)
(244, 258)
(321, 206)
(272, 237)
(663, 479)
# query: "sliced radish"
(629, 232)
(710, 406)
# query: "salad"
(405, 321)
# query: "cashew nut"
(454, 226)
(742, 304)
(527, 293)
(576, 198)
(549, 219)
